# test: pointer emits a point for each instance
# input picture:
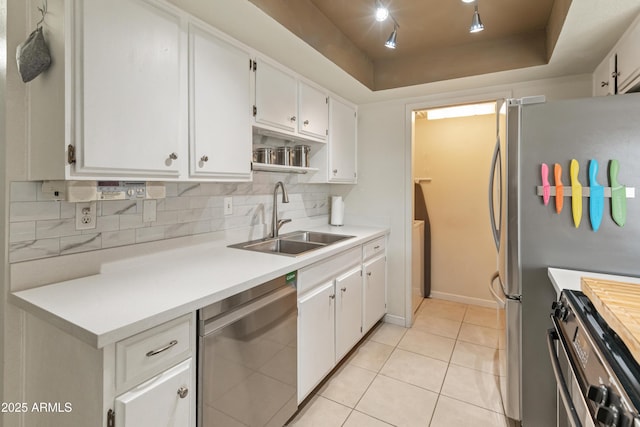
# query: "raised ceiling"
(434, 42)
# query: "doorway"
(451, 152)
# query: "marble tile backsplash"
(41, 228)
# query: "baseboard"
(394, 320)
(463, 299)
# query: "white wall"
(384, 161)
(456, 154)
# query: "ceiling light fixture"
(468, 1)
(391, 41)
(476, 23)
(382, 12)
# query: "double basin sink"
(292, 244)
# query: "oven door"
(572, 407)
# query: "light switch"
(149, 210)
(228, 205)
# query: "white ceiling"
(590, 30)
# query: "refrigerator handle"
(501, 302)
(495, 163)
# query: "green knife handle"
(613, 173)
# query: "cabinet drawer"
(149, 352)
(322, 271)
(374, 247)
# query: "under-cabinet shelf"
(266, 167)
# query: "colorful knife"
(546, 188)
(618, 195)
(576, 193)
(596, 196)
(557, 173)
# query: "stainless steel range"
(598, 378)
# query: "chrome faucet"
(275, 222)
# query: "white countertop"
(570, 279)
(143, 292)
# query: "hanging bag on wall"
(33, 55)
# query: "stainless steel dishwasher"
(247, 357)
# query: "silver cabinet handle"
(335, 171)
(182, 392)
(204, 158)
(173, 156)
(161, 349)
(293, 118)
(344, 289)
(306, 122)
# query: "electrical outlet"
(228, 205)
(86, 215)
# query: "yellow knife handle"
(576, 193)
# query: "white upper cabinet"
(628, 54)
(313, 111)
(276, 97)
(287, 105)
(342, 142)
(604, 82)
(619, 71)
(131, 89)
(219, 107)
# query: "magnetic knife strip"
(586, 191)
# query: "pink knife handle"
(546, 188)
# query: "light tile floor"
(443, 371)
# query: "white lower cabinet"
(374, 290)
(348, 311)
(144, 380)
(339, 300)
(316, 344)
(164, 400)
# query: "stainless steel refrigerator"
(531, 236)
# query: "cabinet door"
(316, 345)
(219, 108)
(348, 311)
(164, 400)
(342, 142)
(313, 116)
(604, 82)
(131, 105)
(629, 58)
(375, 283)
(276, 97)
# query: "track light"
(382, 13)
(391, 41)
(476, 23)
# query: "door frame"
(410, 109)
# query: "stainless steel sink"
(315, 237)
(292, 244)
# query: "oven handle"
(552, 336)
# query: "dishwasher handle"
(255, 305)
(552, 336)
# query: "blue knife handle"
(596, 197)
